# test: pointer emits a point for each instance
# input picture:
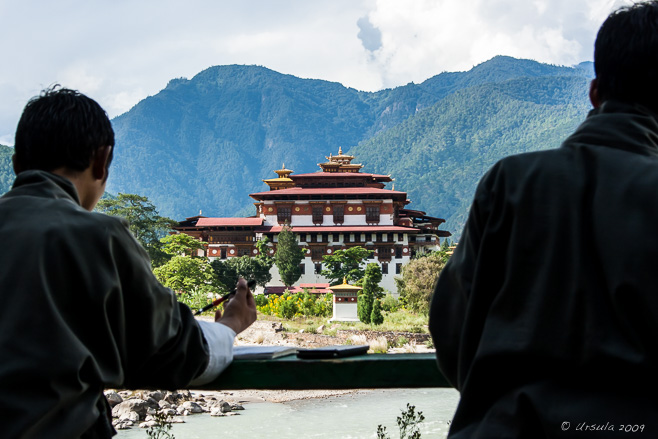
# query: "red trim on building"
(339, 229)
(219, 222)
(326, 191)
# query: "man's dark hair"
(61, 128)
(626, 55)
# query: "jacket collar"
(617, 125)
(44, 184)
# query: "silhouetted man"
(80, 309)
(546, 317)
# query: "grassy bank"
(396, 321)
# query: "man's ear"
(17, 168)
(594, 97)
(100, 162)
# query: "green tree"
(257, 268)
(376, 318)
(416, 285)
(288, 257)
(345, 264)
(187, 273)
(145, 223)
(181, 244)
(371, 288)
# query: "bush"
(417, 282)
(300, 304)
(261, 300)
(376, 318)
(390, 303)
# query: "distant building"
(335, 208)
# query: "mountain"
(6, 170)
(439, 155)
(207, 142)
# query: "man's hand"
(239, 310)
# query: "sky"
(119, 52)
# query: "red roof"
(213, 222)
(340, 175)
(339, 229)
(327, 191)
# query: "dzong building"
(335, 208)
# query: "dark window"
(223, 252)
(318, 268)
(398, 252)
(384, 268)
(283, 214)
(317, 253)
(384, 253)
(398, 268)
(302, 267)
(339, 213)
(372, 214)
(244, 251)
(317, 215)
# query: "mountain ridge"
(203, 144)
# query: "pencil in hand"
(250, 284)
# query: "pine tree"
(376, 318)
(370, 288)
(288, 257)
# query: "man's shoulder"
(544, 156)
(532, 162)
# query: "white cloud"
(120, 52)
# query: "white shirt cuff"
(220, 346)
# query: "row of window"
(383, 253)
(284, 214)
(384, 266)
(352, 237)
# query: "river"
(349, 416)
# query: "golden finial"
(340, 150)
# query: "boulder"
(113, 398)
(217, 411)
(132, 405)
(192, 407)
(172, 398)
(168, 412)
(129, 417)
(157, 395)
(123, 425)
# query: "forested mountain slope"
(207, 142)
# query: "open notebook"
(262, 352)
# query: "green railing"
(359, 372)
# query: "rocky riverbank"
(141, 408)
